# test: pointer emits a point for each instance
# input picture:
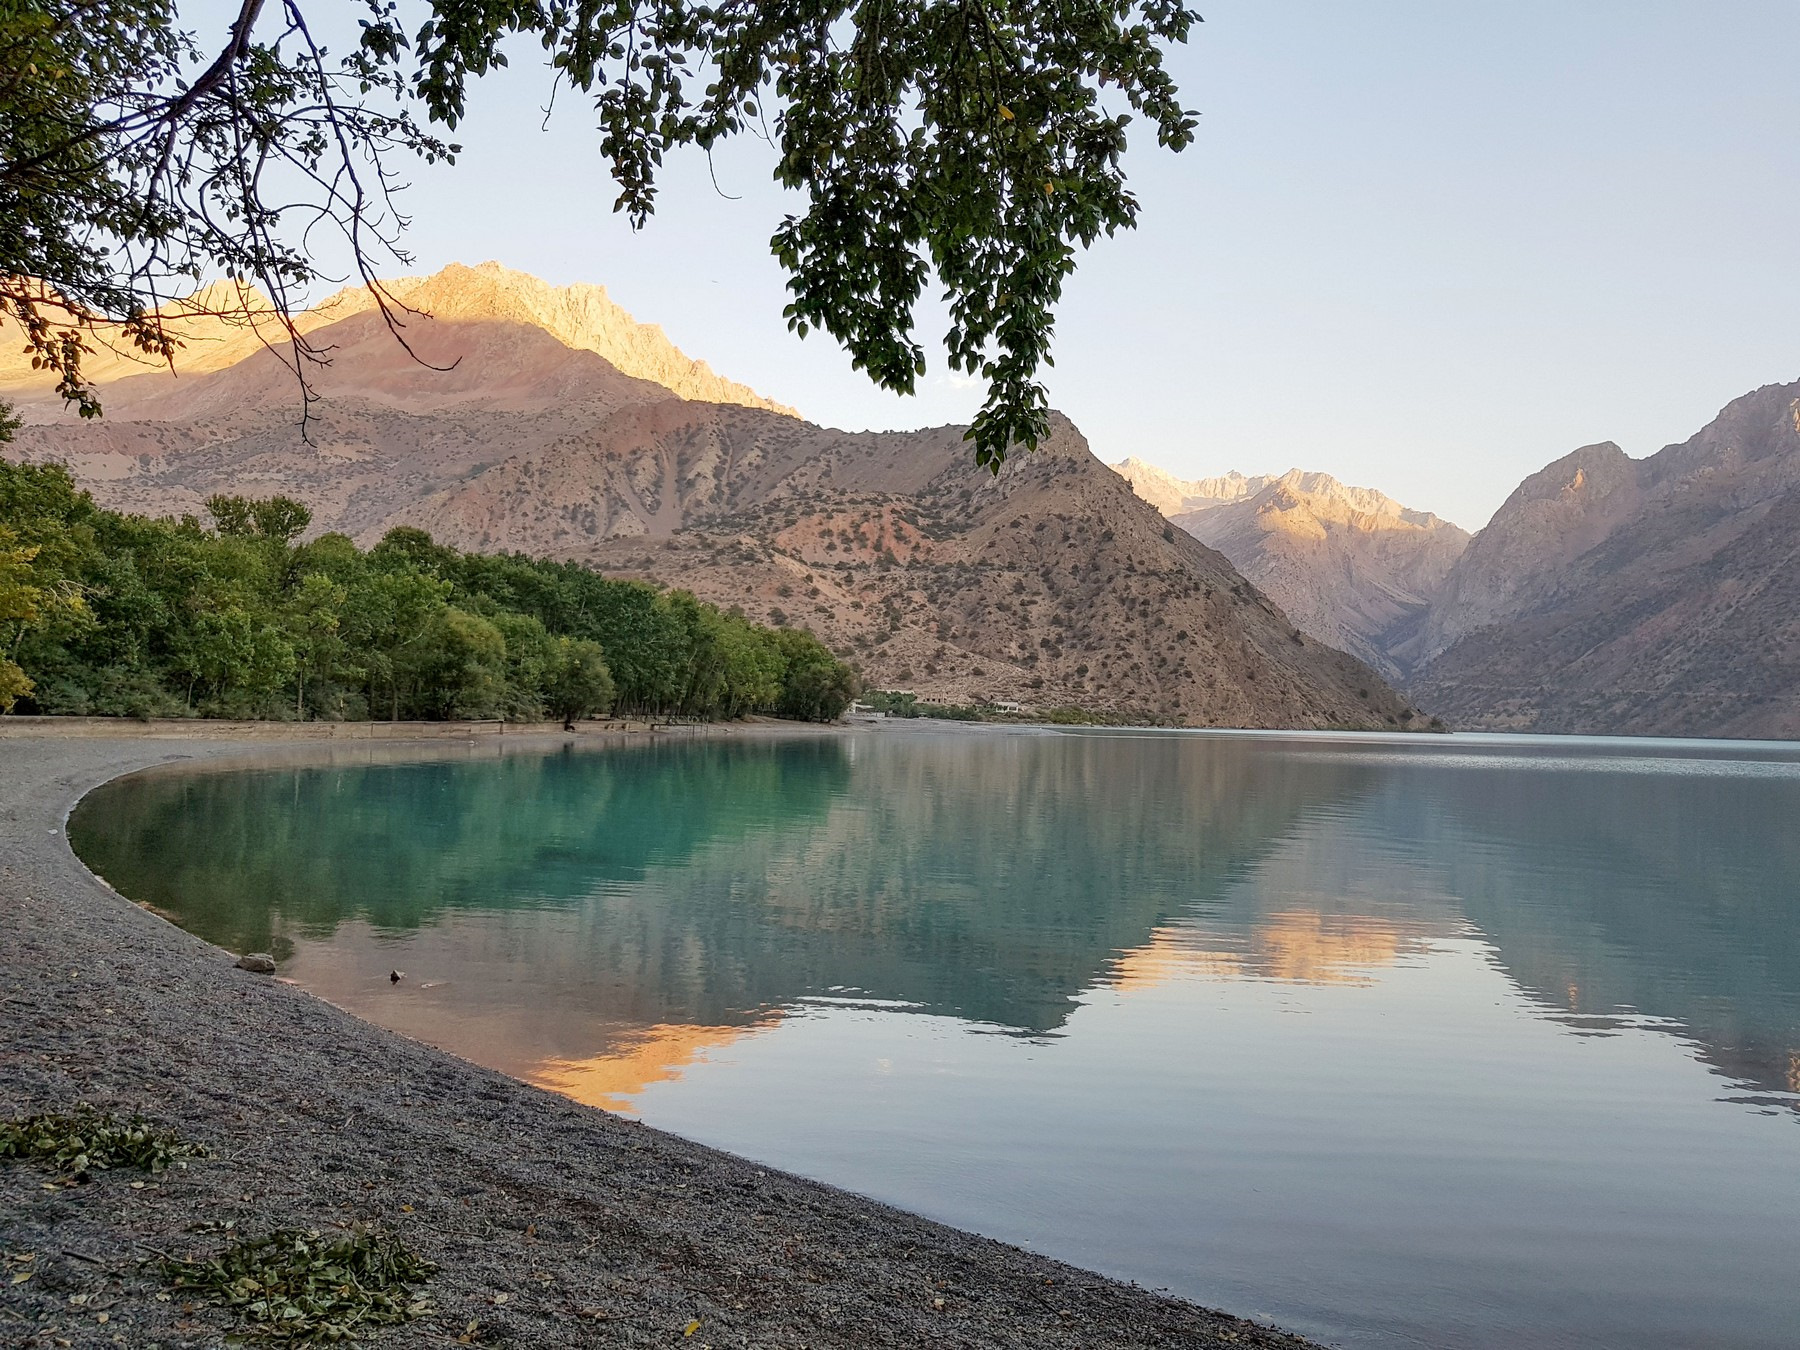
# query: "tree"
(33, 591)
(386, 615)
(457, 667)
(20, 607)
(577, 683)
(816, 686)
(312, 617)
(279, 518)
(18, 596)
(240, 657)
(974, 139)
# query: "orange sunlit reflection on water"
(1297, 947)
(655, 1054)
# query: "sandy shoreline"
(595, 1230)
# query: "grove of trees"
(103, 613)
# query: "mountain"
(1654, 596)
(1347, 564)
(1524, 556)
(1174, 496)
(535, 426)
(464, 321)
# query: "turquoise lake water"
(1439, 1041)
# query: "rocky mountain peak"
(1349, 564)
(581, 316)
(1589, 475)
(484, 333)
(1173, 496)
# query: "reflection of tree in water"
(989, 877)
(234, 854)
(1671, 896)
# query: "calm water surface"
(1450, 1042)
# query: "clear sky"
(1427, 247)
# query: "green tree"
(751, 666)
(578, 683)
(312, 615)
(457, 668)
(21, 605)
(815, 686)
(281, 519)
(386, 615)
(979, 141)
(240, 657)
(530, 655)
(404, 546)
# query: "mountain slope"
(449, 319)
(1349, 565)
(1050, 584)
(1654, 596)
(1523, 558)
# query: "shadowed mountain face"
(521, 430)
(1608, 595)
(1349, 565)
(1655, 596)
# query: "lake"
(1468, 1041)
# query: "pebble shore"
(551, 1224)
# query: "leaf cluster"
(299, 1285)
(977, 141)
(980, 140)
(136, 162)
(86, 1141)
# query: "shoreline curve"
(552, 1224)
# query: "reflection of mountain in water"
(988, 877)
(236, 856)
(1615, 892)
(1327, 904)
(597, 920)
(1672, 896)
(1292, 947)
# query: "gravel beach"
(551, 1224)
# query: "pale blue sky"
(1426, 247)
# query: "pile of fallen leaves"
(87, 1141)
(305, 1286)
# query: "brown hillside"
(1051, 584)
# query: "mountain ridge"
(224, 326)
(1049, 584)
(1649, 596)
(1349, 564)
